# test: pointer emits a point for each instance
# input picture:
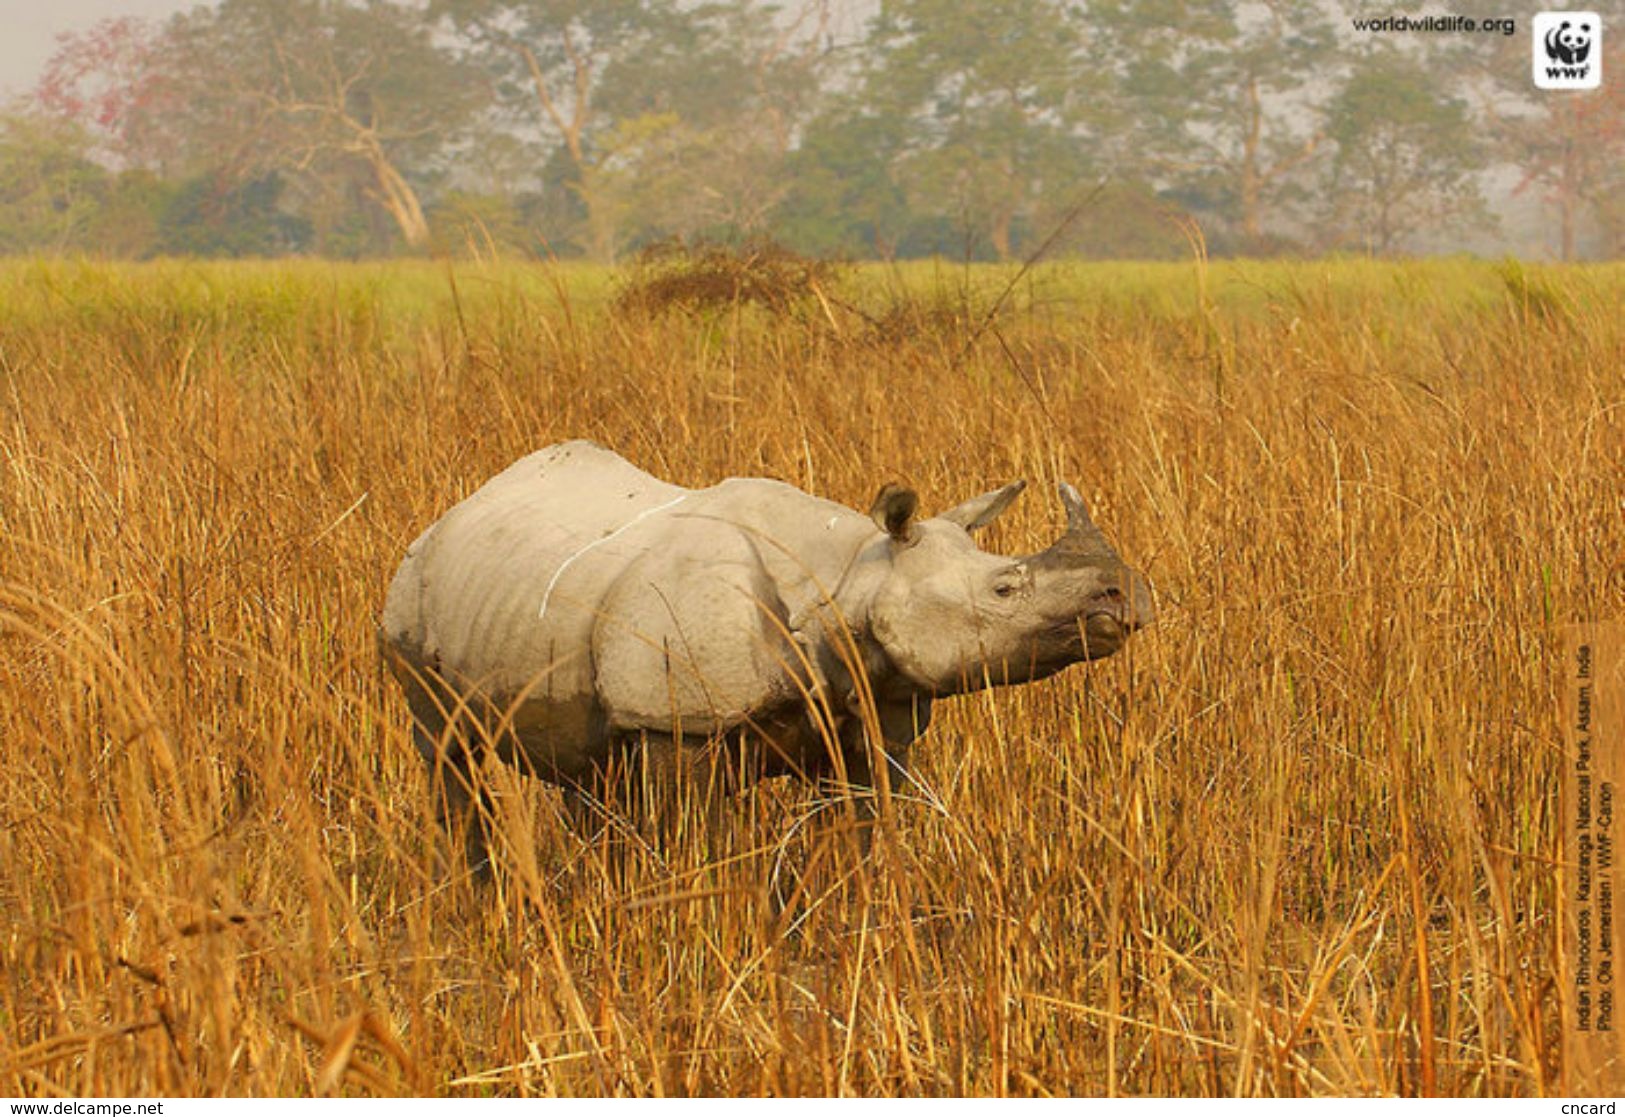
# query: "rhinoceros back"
(479, 575)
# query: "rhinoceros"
(575, 613)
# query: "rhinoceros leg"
(673, 780)
(861, 783)
(851, 784)
(652, 783)
(461, 801)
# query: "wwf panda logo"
(1566, 50)
(1568, 44)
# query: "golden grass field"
(1300, 838)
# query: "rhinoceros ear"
(978, 512)
(893, 511)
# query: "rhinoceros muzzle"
(1111, 618)
(1103, 634)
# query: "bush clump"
(708, 275)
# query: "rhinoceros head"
(952, 617)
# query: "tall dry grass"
(1299, 839)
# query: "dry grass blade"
(47, 1051)
(336, 1052)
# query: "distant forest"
(980, 130)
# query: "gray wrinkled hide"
(694, 614)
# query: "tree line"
(984, 129)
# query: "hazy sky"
(28, 30)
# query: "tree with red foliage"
(111, 80)
(1568, 146)
(1574, 154)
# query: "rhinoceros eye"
(1007, 586)
(1010, 581)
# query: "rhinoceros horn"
(1082, 540)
